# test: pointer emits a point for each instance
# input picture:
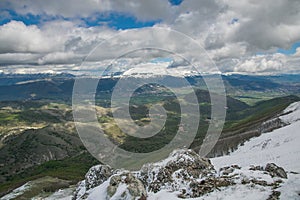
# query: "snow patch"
(291, 113)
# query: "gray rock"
(134, 187)
(275, 171)
(182, 167)
(97, 175)
(93, 178)
(274, 196)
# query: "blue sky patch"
(117, 21)
(290, 51)
(27, 19)
(175, 2)
(114, 20)
(161, 60)
(234, 20)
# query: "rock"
(127, 185)
(97, 175)
(225, 171)
(256, 168)
(245, 181)
(181, 168)
(275, 171)
(259, 182)
(183, 172)
(93, 178)
(80, 192)
(274, 196)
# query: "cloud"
(297, 54)
(231, 31)
(142, 9)
(263, 25)
(55, 42)
(60, 58)
(262, 64)
(68, 8)
(18, 58)
(15, 37)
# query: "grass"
(260, 112)
(42, 186)
(7, 118)
(72, 169)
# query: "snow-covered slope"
(280, 146)
(241, 175)
(291, 114)
(245, 174)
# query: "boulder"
(97, 175)
(125, 186)
(94, 177)
(275, 171)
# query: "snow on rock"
(122, 185)
(125, 186)
(181, 171)
(94, 177)
(280, 146)
(63, 194)
(97, 175)
(16, 192)
(184, 174)
(256, 170)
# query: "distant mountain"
(12, 79)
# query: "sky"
(249, 36)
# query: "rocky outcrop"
(125, 186)
(183, 172)
(97, 175)
(182, 168)
(275, 171)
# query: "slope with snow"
(280, 146)
(241, 175)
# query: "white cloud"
(142, 9)
(17, 58)
(15, 36)
(56, 42)
(232, 31)
(297, 54)
(262, 64)
(60, 58)
(266, 24)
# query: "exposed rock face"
(275, 171)
(274, 196)
(182, 168)
(125, 186)
(183, 172)
(97, 175)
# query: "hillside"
(244, 174)
(36, 117)
(45, 131)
